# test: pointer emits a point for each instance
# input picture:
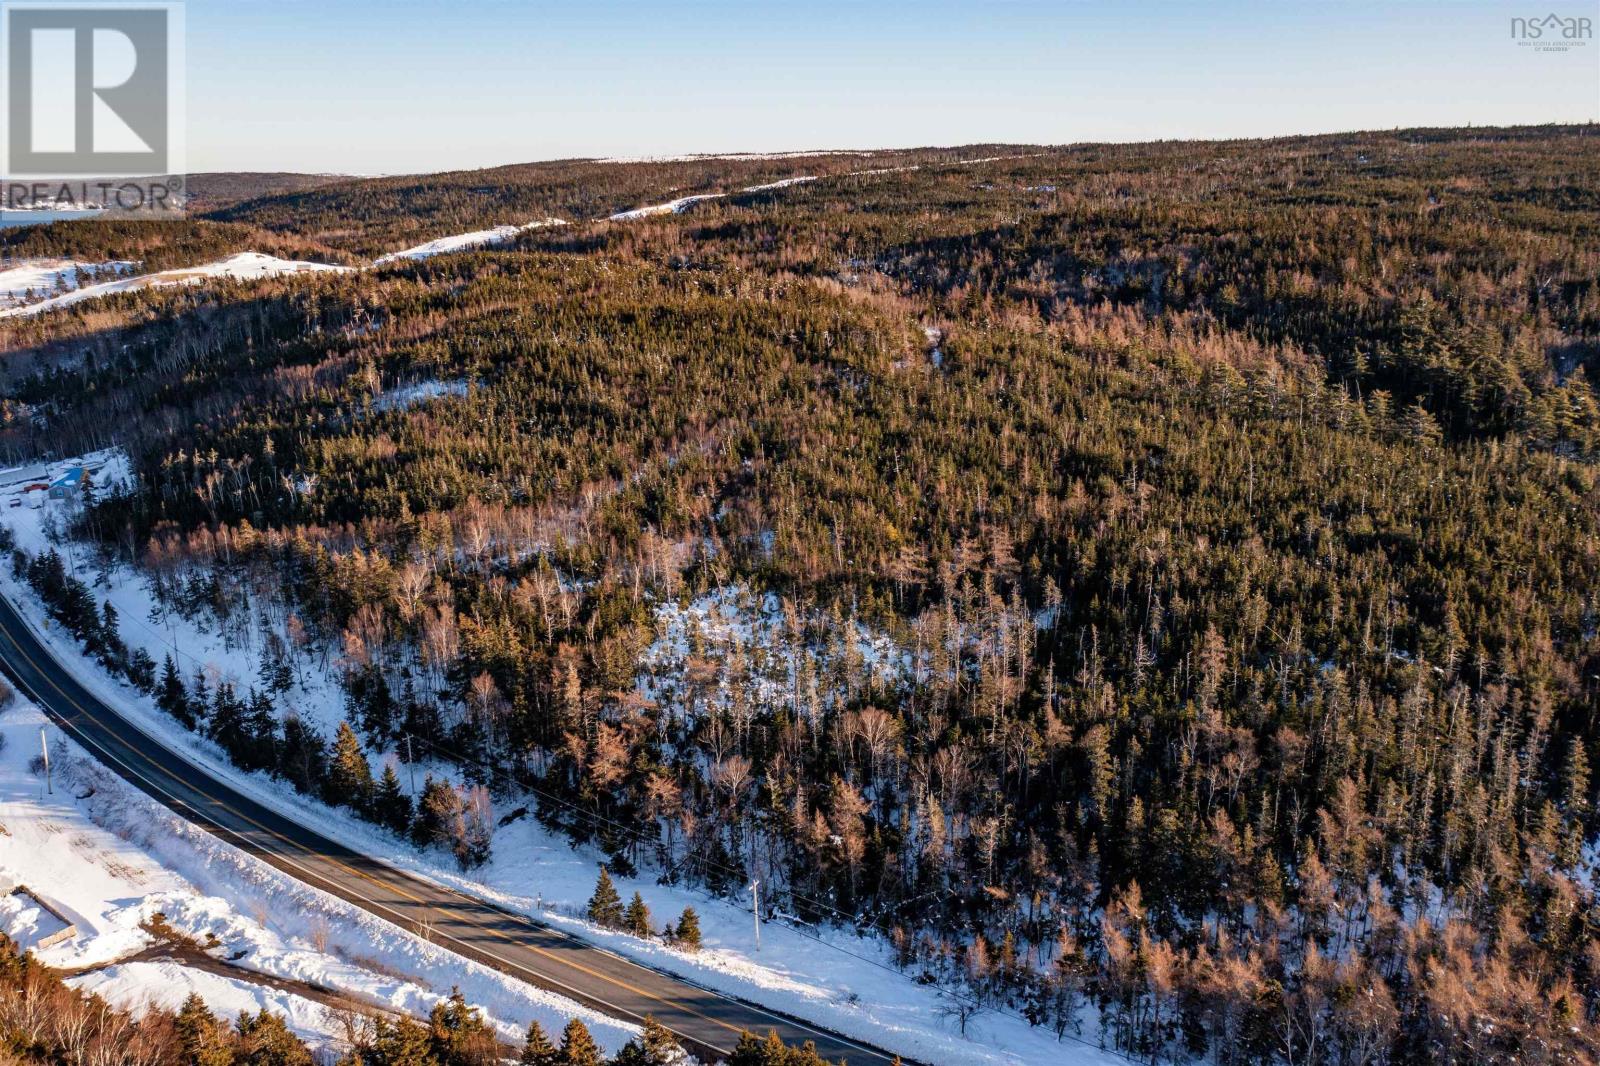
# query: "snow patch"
(783, 183)
(460, 242)
(29, 280)
(139, 986)
(244, 266)
(671, 207)
(407, 396)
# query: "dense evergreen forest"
(1229, 513)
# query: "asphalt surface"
(708, 1022)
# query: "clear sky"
(388, 86)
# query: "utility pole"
(44, 748)
(755, 903)
(411, 766)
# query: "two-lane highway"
(707, 1021)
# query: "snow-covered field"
(830, 977)
(27, 280)
(671, 207)
(60, 280)
(245, 266)
(729, 155)
(461, 242)
(783, 183)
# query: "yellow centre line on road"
(470, 923)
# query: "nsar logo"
(1552, 33)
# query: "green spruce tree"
(391, 807)
(203, 1040)
(537, 1050)
(636, 919)
(578, 1047)
(349, 776)
(605, 906)
(687, 932)
(172, 697)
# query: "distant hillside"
(375, 215)
(215, 191)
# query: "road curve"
(708, 1022)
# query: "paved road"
(706, 1021)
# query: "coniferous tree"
(402, 1042)
(226, 723)
(750, 1051)
(265, 1040)
(578, 1047)
(141, 671)
(636, 919)
(391, 807)
(655, 1046)
(302, 756)
(687, 932)
(259, 750)
(537, 1050)
(605, 905)
(199, 698)
(349, 781)
(439, 817)
(204, 1040)
(459, 1035)
(171, 696)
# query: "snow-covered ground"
(165, 984)
(108, 858)
(38, 278)
(783, 183)
(729, 155)
(244, 266)
(671, 207)
(745, 635)
(26, 280)
(461, 242)
(406, 396)
(683, 203)
(830, 977)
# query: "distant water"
(9, 219)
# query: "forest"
(1156, 587)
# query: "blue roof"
(71, 477)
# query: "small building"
(69, 486)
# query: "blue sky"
(387, 86)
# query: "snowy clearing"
(244, 266)
(671, 207)
(461, 242)
(403, 397)
(29, 280)
(783, 183)
(732, 155)
(744, 634)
